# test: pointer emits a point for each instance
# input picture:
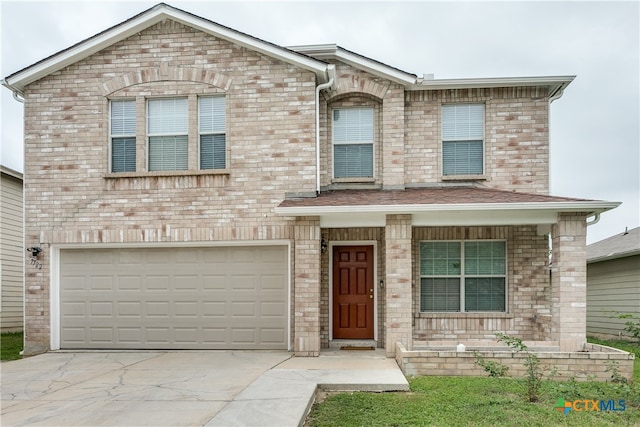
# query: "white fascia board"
(554, 82)
(126, 29)
(440, 219)
(333, 51)
(587, 206)
(375, 68)
(271, 50)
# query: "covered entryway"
(174, 298)
(353, 292)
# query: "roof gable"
(20, 79)
(310, 57)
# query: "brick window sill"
(473, 315)
(368, 180)
(118, 175)
(464, 177)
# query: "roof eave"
(613, 256)
(590, 207)
(553, 83)
(333, 51)
(19, 80)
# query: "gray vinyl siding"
(11, 253)
(612, 287)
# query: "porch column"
(569, 281)
(398, 282)
(307, 286)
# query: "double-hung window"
(123, 135)
(211, 126)
(353, 133)
(167, 129)
(463, 276)
(463, 139)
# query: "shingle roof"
(423, 196)
(620, 245)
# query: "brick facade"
(71, 197)
(528, 287)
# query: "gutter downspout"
(16, 95)
(596, 218)
(555, 95)
(331, 70)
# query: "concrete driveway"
(139, 388)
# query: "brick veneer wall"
(398, 278)
(584, 365)
(307, 287)
(569, 281)
(70, 196)
(516, 136)
(528, 287)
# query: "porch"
(370, 245)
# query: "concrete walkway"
(283, 396)
(185, 388)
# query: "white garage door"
(174, 298)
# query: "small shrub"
(534, 372)
(493, 368)
(613, 368)
(632, 325)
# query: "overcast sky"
(595, 126)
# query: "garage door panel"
(191, 298)
(101, 309)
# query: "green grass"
(474, 401)
(458, 401)
(10, 345)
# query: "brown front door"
(353, 292)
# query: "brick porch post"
(307, 286)
(569, 282)
(398, 282)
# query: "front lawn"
(464, 401)
(10, 345)
(475, 401)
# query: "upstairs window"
(463, 139)
(353, 133)
(211, 126)
(123, 136)
(463, 276)
(167, 130)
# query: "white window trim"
(373, 147)
(484, 144)
(462, 277)
(149, 135)
(111, 136)
(226, 151)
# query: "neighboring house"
(613, 283)
(12, 251)
(194, 187)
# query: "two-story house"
(194, 187)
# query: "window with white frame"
(211, 127)
(462, 139)
(353, 139)
(167, 130)
(123, 135)
(465, 276)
